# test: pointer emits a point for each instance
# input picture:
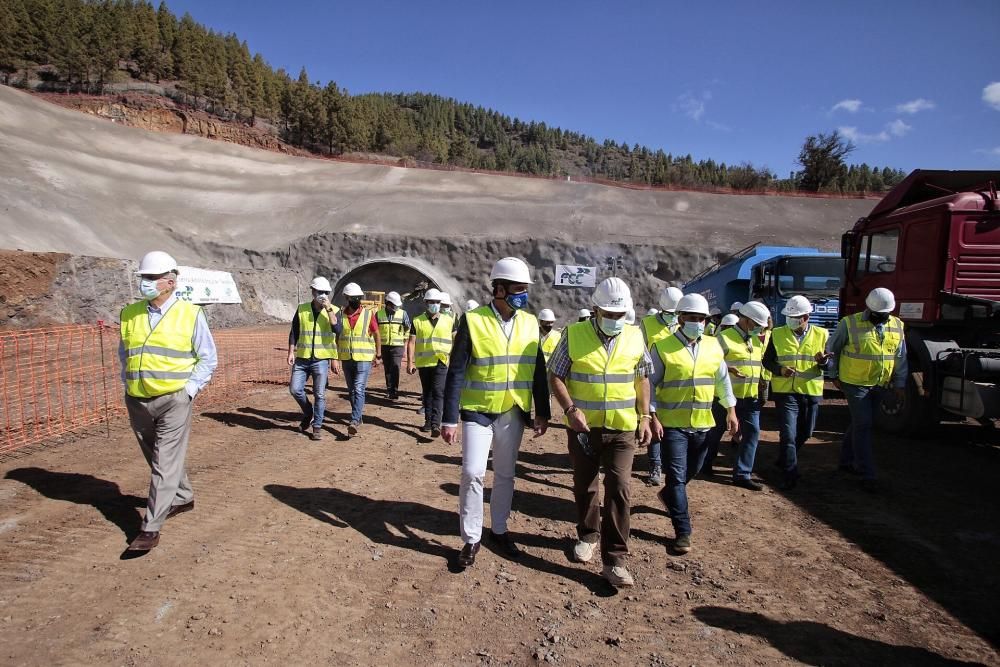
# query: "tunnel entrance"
(403, 275)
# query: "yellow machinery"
(373, 301)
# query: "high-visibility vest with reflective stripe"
(711, 328)
(549, 342)
(865, 361)
(801, 357)
(316, 337)
(158, 361)
(603, 386)
(433, 340)
(356, 343)
(655, 329)
(765, 375)
(390, 328)
(745, 356)
(501, 371)
(684, 395)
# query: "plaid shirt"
(560, 363)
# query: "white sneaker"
(583, 551)
(617, 576)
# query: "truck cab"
(817, 276)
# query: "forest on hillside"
(84, 45)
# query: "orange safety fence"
(56, 381)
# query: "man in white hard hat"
(796, 356)
(393, 330)
(689, 370)
(656, 327)
(734, 308)
(744, 351)
(359, 348)
(471, 304)
(495, 377)
(312, 351)
(652, 311)
(714, 318)
(599, 375)
(167, 356)
(583, 315)
(869, 359)
(429, 350)
(446, 304)
(549, 336)
(728, 321)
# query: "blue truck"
(771, 275)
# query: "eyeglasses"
(319, 293)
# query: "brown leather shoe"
(180, 509)
(467, 556)
(145, 541)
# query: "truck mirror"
(846, 245)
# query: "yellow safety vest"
(801, 357)
(603, 386)
(655, 330)
(501, 371)
(356, 343)
(549, 342)
(765, 375)
(316, 337)
(865, 361)
(391, 328)
(433, 340)
(745, 356)
(684, 395)
(158, 361)
(711, 328)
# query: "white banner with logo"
(575, 276)
(205, 286)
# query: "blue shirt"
(201, 342)
(840, 338)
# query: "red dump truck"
(934, 240)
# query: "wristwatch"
(570, 410)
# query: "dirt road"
(338, 552)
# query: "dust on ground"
(339, 552)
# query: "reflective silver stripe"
(686, 405)
(601, 379)
(746, 363)
(499, 386)
(503, 360)
(441, 340)
(426, 353)
(694, 382)
(866, 357)
(604, 406)
(157, 375)
(161, 351)
(795, 357)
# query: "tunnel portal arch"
(402, 274)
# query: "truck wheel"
(914, 417)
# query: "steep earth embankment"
(79, 184)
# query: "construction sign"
(575, 276)
(204, 286)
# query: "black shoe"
(393, 396)
(505, 544)
(467, 556)
(306, 424)
(425, 428)
(850, 470)
(789, 483)
(435, 431)
(748, 484)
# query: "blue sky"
(908, 80)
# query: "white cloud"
(691, 106)
(991, 95)
(850, 106)
(851, 133)
(721, 127)
(992, 152)
(915, 106)
(898, 128)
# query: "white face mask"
(148, 288)
(794, 322)
(612, 327)
(433, 308)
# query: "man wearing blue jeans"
(358, 346)
(655, 327)
(869, 357)
(689, 370)
(311, 352)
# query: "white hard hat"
(669, 299)
(353, 289)
(730, 320)
(583, 313)
(321, 284)
(756, 311)
(511, 268)
(546, 315)
(736, 305)
(881, 300)
(714, 311)
(693, 303)
(156, 262)
(797, 306)
(652, 311)
(445, 299)
(471, 304)
(394, 299)
(432, 295)
(612, 295)
(630, 316)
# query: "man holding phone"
(796, 357)
(312, 351)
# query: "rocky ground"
(340, 552)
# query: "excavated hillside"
(77, 184)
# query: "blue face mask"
(611, 327)
(148, 288)
(694, 330)
(517, 301)
(670, 318)
(434, 308)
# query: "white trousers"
(505, 438)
